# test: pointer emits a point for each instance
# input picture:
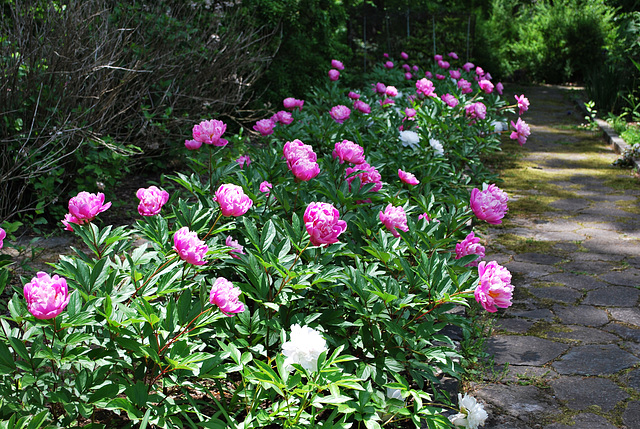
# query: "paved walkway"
(567, 353)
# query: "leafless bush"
(140, 73)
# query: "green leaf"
(38, 419)
(108, 391)
(19, 348)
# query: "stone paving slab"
(580, 393)
(523, 350)
(592, 359)
(581, 315)
(613, 296)
(584, 421)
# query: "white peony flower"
(437, 146)
(304, 348)
(471, 414)
(498, 126)
(409, 138)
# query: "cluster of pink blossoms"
(464, 86)
(521, 131)
(264, 127)
(207, 132)
(394, 218)
(486, 86)
(520, 128)
(366, 173)
(470, 246)
(151, 200)
(189, 247)
(301, 160)
(494, 286)
(232, 200)
(408, 178)
(425, 87)
(265, 187)
(449, 99)
(83, 208)
(291, 103)
(476, 110)
(348, 151)
(225, 296)
(46, 296)
(323, 223)
(340, 113)
(236, 248)
(490, 204)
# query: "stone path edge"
(609, 134)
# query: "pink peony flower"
(244, 159)
(189, 247)
(291, 103)
(295, 149)
(386, 102)
(490, 204)
(348, 151)
(283, 117)
(521, 132)
(337, 64)
(476, 110)
(486, 86)
(232, 200)
(46, 296)
(468, 66)
(410, 113)
(464, 86)
(523, 103)
(404, 56)
(453, 55)
(385, 55)
(408, 76)
(494, 286)
(264, 127)
(499, 88)
(334, 75)
(388, 65)
(366, 173)
(225, 296)
(210, 132)
(479, 71)
(449, 99)
(340, 113)
(353, 95)
(394, 218)
(83, 208)
(428, 74)
(380, 88)
(391, 91)
(437, 57)
(304, 169)
(440, 76)
(425, 87)
(443, 64)
(470, 246)
(192, 144)
(265, 187)
(424, 216)
(3, 235)
(362, 107)
(415, 69)
(236, 248)
(408, 178)
(322, 221)
(151, 200)
(406, 67)
(455, 74)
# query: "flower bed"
(302, 280)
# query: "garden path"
(566, 354)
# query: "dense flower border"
(352, 241)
